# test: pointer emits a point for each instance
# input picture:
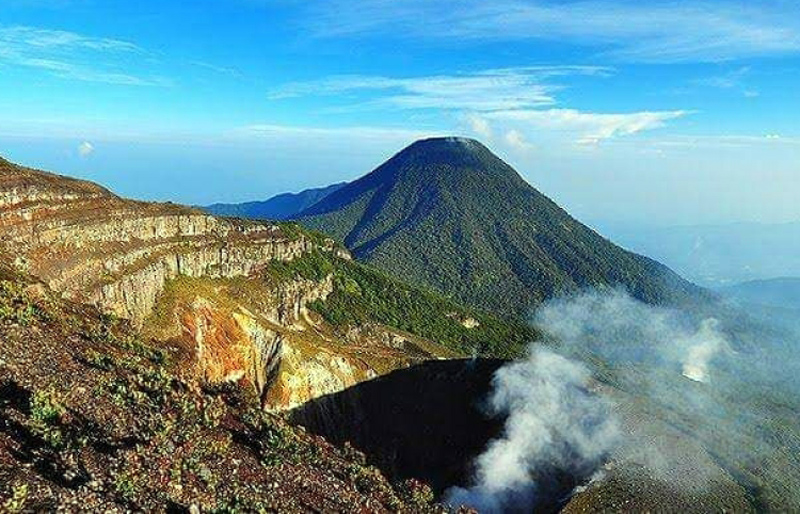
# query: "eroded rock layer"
(118, 254)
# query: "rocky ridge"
(118, 254)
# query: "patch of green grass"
(19, 497)
(46, 413)
(16, 305)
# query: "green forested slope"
(449, 214)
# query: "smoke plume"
(691, 391)
(621, 329)
(702, 347)
(703, 395)
(554, 423)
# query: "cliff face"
(121, 256)
(263, 333)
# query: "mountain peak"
(466, 143)
(446, 145)
(450, 157)
(449, 214)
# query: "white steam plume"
(553, 422)
(622, 329)
(701, 348)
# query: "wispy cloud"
(222, 70)
(73, 56)
(733, 79)
(726, 80)
(584, 127)
(771, 140)
(512, 106)
(703, 30)
(85, 149)
(516, 140)
(511, 88)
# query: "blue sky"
(638, 112)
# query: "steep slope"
(122, 256)
(93, 420)
(438, 439)
(449, 214)
(280, 207)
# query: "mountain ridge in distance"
(449, 214)
(774, 292)
(279, 207)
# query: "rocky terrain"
(94, 420)
(142, 346)
(92, 245)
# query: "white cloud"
(73, 56)
(516, 140)
(222, 70)
(703, 30)
(480, 126)
(727, 80)
(584, 127)
(734, 79)
(85, 149)
(44, 38)
(718, 142)
(517, 104)
(510, 88)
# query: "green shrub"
(46, 413)
(415, 493)
(16, 305)
(19, 496)
(125, 486)
(99, 360)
